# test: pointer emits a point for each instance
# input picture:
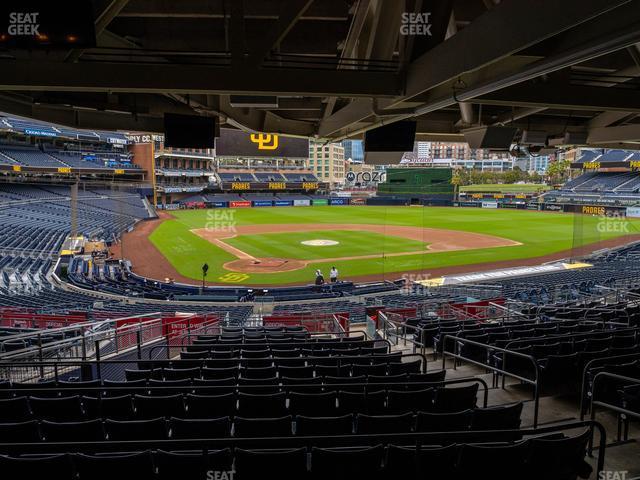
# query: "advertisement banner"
(553, 207)
(469, 204)
(633, 212)
(338, 201)
(489, 204)
(262, 203)
(533, 206)
(320, 201)
(216, 204)
(511, 205)
(301, 203)
(240, 204)
(283, 203)
(358, 201)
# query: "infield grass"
(541, 233)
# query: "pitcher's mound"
(264, 265)
(319, 243)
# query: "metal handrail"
(589, 365)
(99, 363)
(535, 382)
(571, 336)
(608, 406)
(472, 436)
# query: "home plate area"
(319, 243)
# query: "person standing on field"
(333, 274)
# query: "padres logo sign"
(265, 141)
(233, 277)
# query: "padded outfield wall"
(419, 185)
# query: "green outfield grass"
(506, 188)
(540, 233)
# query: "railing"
(623, 413)
(431, 438)
(394, 330)
(87, 370)
(535, 382)
(591, 364)
(96, 340)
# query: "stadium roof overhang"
(342, 67)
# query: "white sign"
(489, 204)
(633, 211)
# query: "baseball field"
(286, 245)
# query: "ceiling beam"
(500, 32)
(290, 13)
(571, 97)
(608, 118)
(102, 22)
(25, 75)
(620, 134)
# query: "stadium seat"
(422, 462)
(64, 409)
(346, 463)
(312, 426)
(200, 428)
(267, 405)
(455, 399)
(283, 464)
(86, 431)
(187, 465)
(444, 422)
(210, 406)
(258, 427)
(37, 467)
(118, 430)
(410, 401)
(108, 466)
(22, 432)
(313, 404)
(374, 424)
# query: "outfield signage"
(633, 212)
(553, 207)
(358, 201)
(240, 204)
(301, 203)
(338, 201)
(320, 201)
(283, 203)
(533, 206)
(469, 204)
(236, 143)
(39, 133)
(489, 204)
(262, 203)
(240, 186)
(217, 204)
